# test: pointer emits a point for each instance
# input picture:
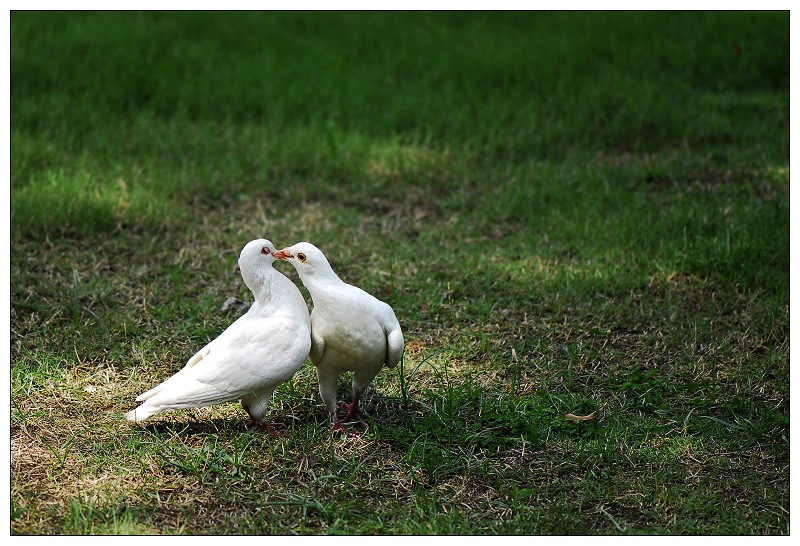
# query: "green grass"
(569, 213)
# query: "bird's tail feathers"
(144, 396)
(142, 412)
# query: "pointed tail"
(143, 412)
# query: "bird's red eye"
(265, 250)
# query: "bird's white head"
(257, 252)
(307, 259)
(255, 257)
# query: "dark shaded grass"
(385, 74)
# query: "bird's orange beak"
(282, 254)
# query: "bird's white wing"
(215, 345)
(317, 346)
(247, 357)
(198, 356)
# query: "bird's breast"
(350, 343)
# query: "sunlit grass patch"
(78, 204)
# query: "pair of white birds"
(347, 330)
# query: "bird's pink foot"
(266, 427)
(353, 414)
(339, 428)
(342, 430)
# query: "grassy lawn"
(580, 214)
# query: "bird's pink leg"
(263, 425)
(353, 413)
(266, 427)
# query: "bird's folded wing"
(247, 356)
(198, 356)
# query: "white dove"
(350, 330)
(261, 349)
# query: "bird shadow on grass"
(291, 424)
(212, 426)
(193, 428)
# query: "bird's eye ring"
(301, 257)
(265, 250)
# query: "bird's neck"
(262, 283)
(320, 287)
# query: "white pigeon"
(351, 330)
(261, 349)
